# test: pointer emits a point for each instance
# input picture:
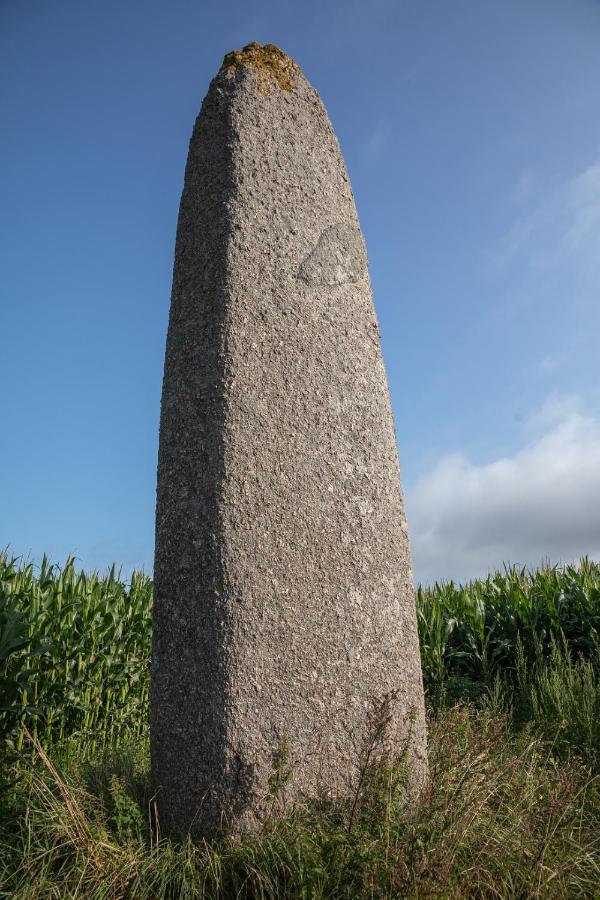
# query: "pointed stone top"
(271, 64)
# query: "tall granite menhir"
(284, 604)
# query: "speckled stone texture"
(284, 601)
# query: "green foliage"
(470, 634)
(14, 636)
(561, 696)
(511, 812)
(74, 654)
(530, 640)
(126, 819)
(74, 647)
(281, 774)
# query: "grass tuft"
(500, 816)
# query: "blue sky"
(472, 137)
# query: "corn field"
(74, 654)
(511, 621)
(75, 647)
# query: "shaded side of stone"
(191, 618)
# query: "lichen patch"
(271, 64)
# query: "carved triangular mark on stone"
(339, 257)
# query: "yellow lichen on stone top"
(270, 63)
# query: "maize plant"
(75, 647)
(75, 653)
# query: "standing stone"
(284, 602)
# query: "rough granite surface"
(284, 602)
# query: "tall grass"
(500, 817)
(562, 697)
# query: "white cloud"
(557, 408)
(541, 503)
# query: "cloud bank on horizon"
(541, 503)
